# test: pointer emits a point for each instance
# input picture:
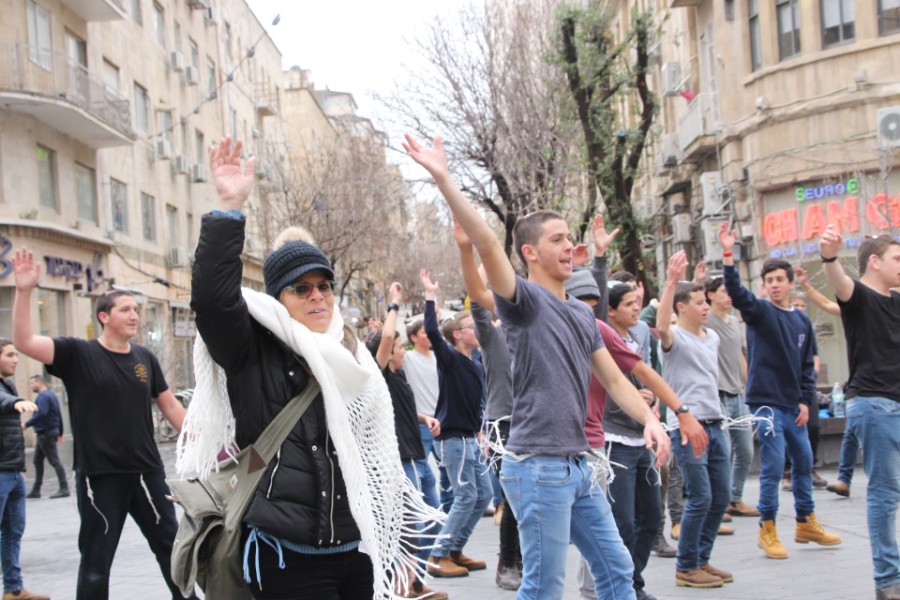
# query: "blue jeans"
(555, 502)
(877, 422)
(12, 526)
(636, 502)
(741, 443)
(446, 490)
(706, 482)
(784, 433)
(849, 451)
(471, 492)
(413, 470)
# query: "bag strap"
(277, 431)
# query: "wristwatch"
(393, 306)
(828, 260)
(682, 409)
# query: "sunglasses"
(303, 290)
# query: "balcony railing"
(62, 93)
(698, 121)
(267, 100)
(97, 10)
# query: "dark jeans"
(46, 448)
(104, 501)
(510, 553)
(635, 502)
(342, 576)
(12, 526)
(813, 430)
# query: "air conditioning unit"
(711, 188)
(191, 75)
(198, 173)
(178, 257)
(889, 127)
(210, 17)
(668, 156)
(671, 78)
(712, 248)
(181, 164)
(176, 61)
(256, 133)
(681, 228)
(163, 149)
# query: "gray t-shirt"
(551, 342)
(496, 359)
(422, 376)
(731, 379)
(691, 368)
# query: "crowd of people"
(584, 414)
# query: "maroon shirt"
(625, 359)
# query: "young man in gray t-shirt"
(555, 345)
(690, 359)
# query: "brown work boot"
(726, 518)
(725, 576)
(811, 531)
(697, 578)
(470, 564)
(739, 509)
(726, 530)
(769, 542)
(24, 594)
(442, 566)
(676, 531)
(498, 514)
(840, 488)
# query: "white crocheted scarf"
(360, 419)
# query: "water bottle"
(838, 409)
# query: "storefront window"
(154, 329)
(52, 312)
(6, 302)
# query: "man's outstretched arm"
(829, 246)
(500, 273)
(27, 273)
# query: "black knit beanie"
(290, 262)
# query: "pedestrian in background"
(48, 426)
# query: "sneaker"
(697, 579)
(498, 513)
(739, 509)
(470, 564)
(490, 511)
(24, 594)
(64, 493)
(442, 566)
(891, 592)
(840, 488)
(726, 518)
(811, 531)
(725, 576)
(818, 481)
(676, 531)
(786, 484)
(726, 530)
(642, 595)
(508, 577)
(34, 493)
(769, 542)
(663, 549)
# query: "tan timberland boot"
(811, 531)
(769, 542)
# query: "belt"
(710, 421)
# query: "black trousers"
(104, 501)
(510, 553)
(46, 448)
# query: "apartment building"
(107, 111)
(783, 116)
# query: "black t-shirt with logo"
(110, 396)
(406, 419)
(872, 325)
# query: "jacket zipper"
(275, 470)
(331, 463)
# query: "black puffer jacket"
(302, 496)
(12, 442)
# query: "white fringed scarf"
(360, 420)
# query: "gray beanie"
(290, 262)
(582, 284)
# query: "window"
(190, 231)
(234, 123)
(226, 38)
(164, 118)
(838, 22)
(141, 109)
(110, 76)
(159, 24)
(6, 302)
(86, 193)
(194, 54)
(788, 28)
(148, 216)
(178, 36)
(46, 160)
(39, 48)
(172, 225)
(888, 16)
(118, 197)
(755, 37)
(135, 10)
(76, 53)
(211, 78)
(200, 147)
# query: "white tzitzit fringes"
(149, 499)
(90, 495)
(753, 421)
(490, 443)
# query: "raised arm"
(430, 322)
(389, 329)
(675, 273)
(829, 245)
(741, 298)
(475, 286)
(27, 273)
(801, 277)
(600, 268)
(501, 276)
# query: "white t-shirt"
(422, 376)
(691, 368)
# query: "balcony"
(266, 101)
(97, 10)
(62, 94)
(684, 3)
(697, 126)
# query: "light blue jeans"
(741, 444)
(471, 492)
(772, 443)
(877, 423)
(849, 452)
(554, 502)
(12, 526)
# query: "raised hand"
(801, 276)
(831, 241)
(701, 272)
(602, 240)
(431, 287)
(677, 266)
(25, 270)
(233, 183)
(395, 293)
(726, 237)
(433, 159)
